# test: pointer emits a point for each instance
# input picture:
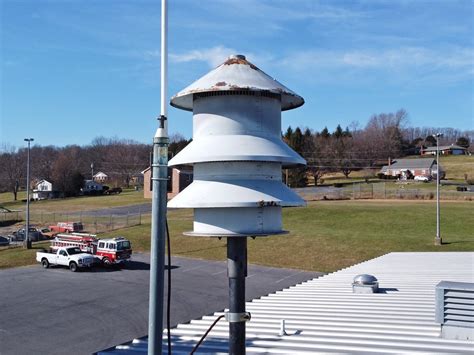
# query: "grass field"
(325, 236)
(73, 204)
(457, 166)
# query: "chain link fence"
(94, 222)
(358, 191)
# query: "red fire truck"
(110, 251)
(67, 227)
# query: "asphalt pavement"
(54, 311)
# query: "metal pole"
(438, 240)
(27, 227)
(159, 201)
(237, 271)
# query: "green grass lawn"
(457, 166)
(73, 204)
(325, 236)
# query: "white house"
(100, 177)
(412, 167)
(43, 189)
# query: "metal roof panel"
(324, 316)
(236, 74)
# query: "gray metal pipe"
(158, 235)
(27, 227)
(237, 271)
(158, 210)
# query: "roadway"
(55, 311)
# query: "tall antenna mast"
(159, 201)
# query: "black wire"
(168, 301)
(205, 334)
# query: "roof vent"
(365, 283)
(455, 309)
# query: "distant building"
(412, 167)
(42, 190)
(92, 187)
(137, 179)
(100, 177)
(444, 150)
(179, 179)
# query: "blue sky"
(72, 70)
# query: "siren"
(237, 152)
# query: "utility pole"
(92, 171)
(438, 240)
(27, 227)
(159, 204)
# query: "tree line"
(68, 167)
(386, 135)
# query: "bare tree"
(13, 170)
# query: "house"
(444, 150)
(412, 167)
(100, 177)
(42, 190)
(92, 187)
(179, 179)
(137, 179)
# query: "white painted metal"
(243, 127)
(235, 74)
(324, 316)
(237, 152)
(237, 148)
(236, 184)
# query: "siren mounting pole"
(237, 272)
(159, 201)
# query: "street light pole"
(27, 227)
(438, 240)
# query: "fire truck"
(110, 251)
(67, 227)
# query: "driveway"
(55, 311)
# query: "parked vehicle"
(114, 190)
(20, 235)
(422, 178)
(114, 251)
(4, 241)
(84, 241)
(110, 251)
(71, 257)
(67, 227)
(48, 233)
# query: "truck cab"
(71, 257)
(114, 251)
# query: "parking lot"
(55, 311)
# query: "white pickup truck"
(71, 257)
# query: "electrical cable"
(205, 334)
(168, 301)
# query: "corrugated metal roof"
(324, 316)
(234, 75)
